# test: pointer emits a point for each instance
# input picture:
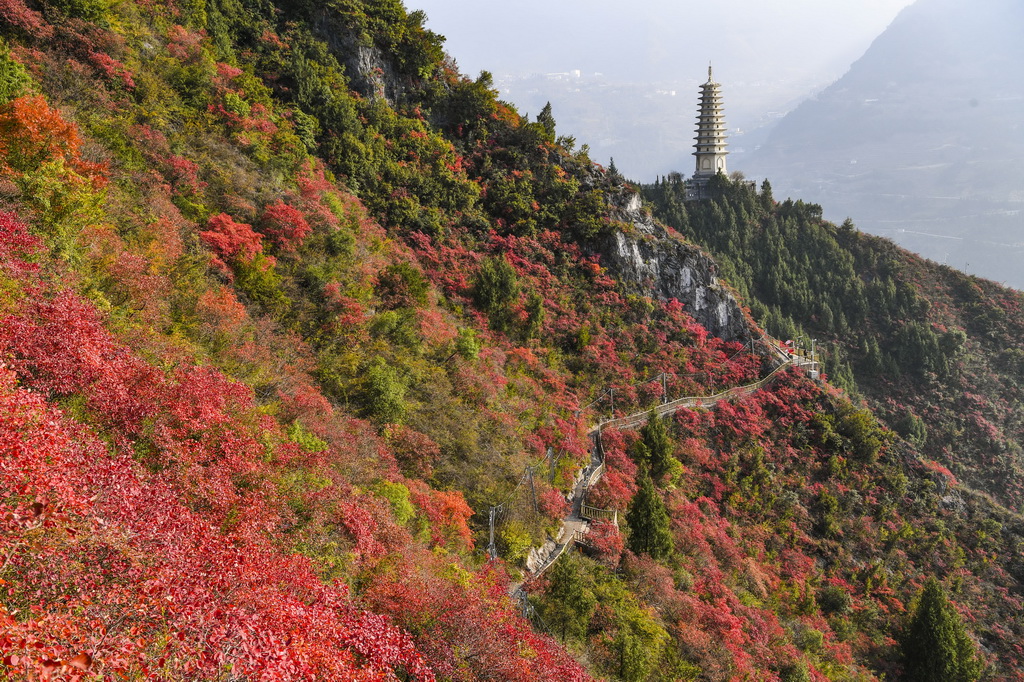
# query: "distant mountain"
(302, 335)
(922, 139)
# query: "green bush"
(834, 600)
(385, 393)
(398, 496)
(14, 79)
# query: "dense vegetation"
(288, 303)
(936, 352)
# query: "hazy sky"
(658, 40)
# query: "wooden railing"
(591, 513)
(633, 420)
(594, 476)
(588, 512)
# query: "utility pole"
(664, 387)
(612, 390)
(533, 490)
(491, 549)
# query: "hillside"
(933, 349)
(920, 140)
(289, 306)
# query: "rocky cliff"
(650, 261)
(371, 72)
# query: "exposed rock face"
(371, 73)
(651, 262)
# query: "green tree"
(385, 393)
(547, 121)
(858, 425)
(14, 79)
(655, 446)
(648, 521)
(935, 644)
(495, 288)
(767, 200)
(912, 427)
(569, 600)
(534, 315)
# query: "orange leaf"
(81, 662)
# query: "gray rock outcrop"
(650, 261)
(371, 72)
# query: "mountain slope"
(920, 141)
(289, 306)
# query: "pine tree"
(648, 521)
(569, 602)
(655, 447)
(767, 200)
(935, 644)
(547, 121)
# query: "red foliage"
(285, 225)
(552, 503)
(16, 13)
(468, 629)
(17, 247)
(220, 311)
(416, 452)
(618, 485)
(119, 561)
(606, 543)
(112, 68)
(448, 514)
(185, 45)
(184, 175)
(231, 240)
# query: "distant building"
(710, 141)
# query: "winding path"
(574, 525)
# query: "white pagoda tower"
(710, 130)
(710, 141)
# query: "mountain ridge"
(274, 348)
(919, 140)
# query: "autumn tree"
(648, 521)
(935, 644)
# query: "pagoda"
(710, 141)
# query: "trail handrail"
(591, 513)
(693, 401)
(587, 512)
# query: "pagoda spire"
(710, 141)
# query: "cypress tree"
(648, 521)
(935, 644)
(547, 121)
(569, 602)
(655, 448)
